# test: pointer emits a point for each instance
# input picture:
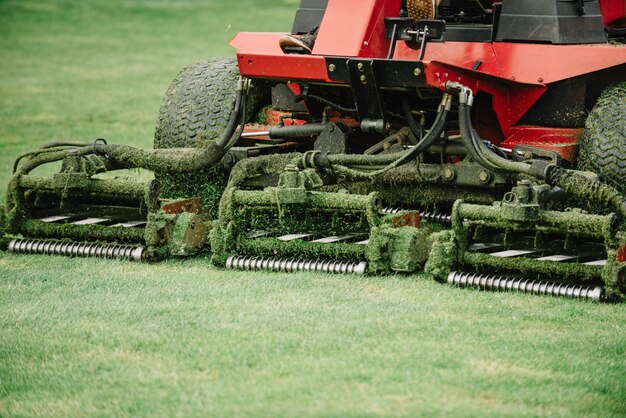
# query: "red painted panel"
(355, 28)
(621, 254)
(544, 64)
(259, 55)
(613, 12)
(462, 55)
(521, 63)
(561, 140)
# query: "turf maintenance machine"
(482, 142)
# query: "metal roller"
(517, 284)
(294, 265)
(434, 217)
(76, 249)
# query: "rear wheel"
(196, 109)
(603, 144)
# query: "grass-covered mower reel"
(519, 244)
(295, 226)
(530, 237)
(76, 213)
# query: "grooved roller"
(429, 216)
(516, 284)
(294, 265)
(76, 249)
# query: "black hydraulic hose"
(396, 159)
(233, 121)
(163, 160)
(573, 182)
(405, 157)
(586, 189)
(469, 139)
(181, 159)
(413, 126)
(479, 151)
(239, 108)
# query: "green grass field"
(98, 338)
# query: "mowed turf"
(181, 338)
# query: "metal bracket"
(389, 73)
(365, 89)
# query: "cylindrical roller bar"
(111, 187)
(580, 224)
(293, 265)
(330, 201)
(517, 284)
(77, 249)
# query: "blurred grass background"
(100, 338)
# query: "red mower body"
(509, 77)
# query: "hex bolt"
(332, 68)
(485, 176)
(360, 66)
(363, 79)
(417, 72)
(448, 174)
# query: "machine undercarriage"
(426, 147)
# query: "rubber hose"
(179, 159)
(587, 189)
(395, 159)
(413, 126)
(479, 151)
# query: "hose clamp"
(466, 95)
(243, 84)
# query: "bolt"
(448, 174)
(485, 176)
(360, 66)
(363, 79)
(332, 68)
(417, 72)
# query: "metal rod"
(517, 284)
(255, 134)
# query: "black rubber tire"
(603, 144)
(197, 104)
(197, 108)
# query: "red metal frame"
(516, 75)
(621, 254)
(613, 12)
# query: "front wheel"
(195, 109)
(603, 144)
